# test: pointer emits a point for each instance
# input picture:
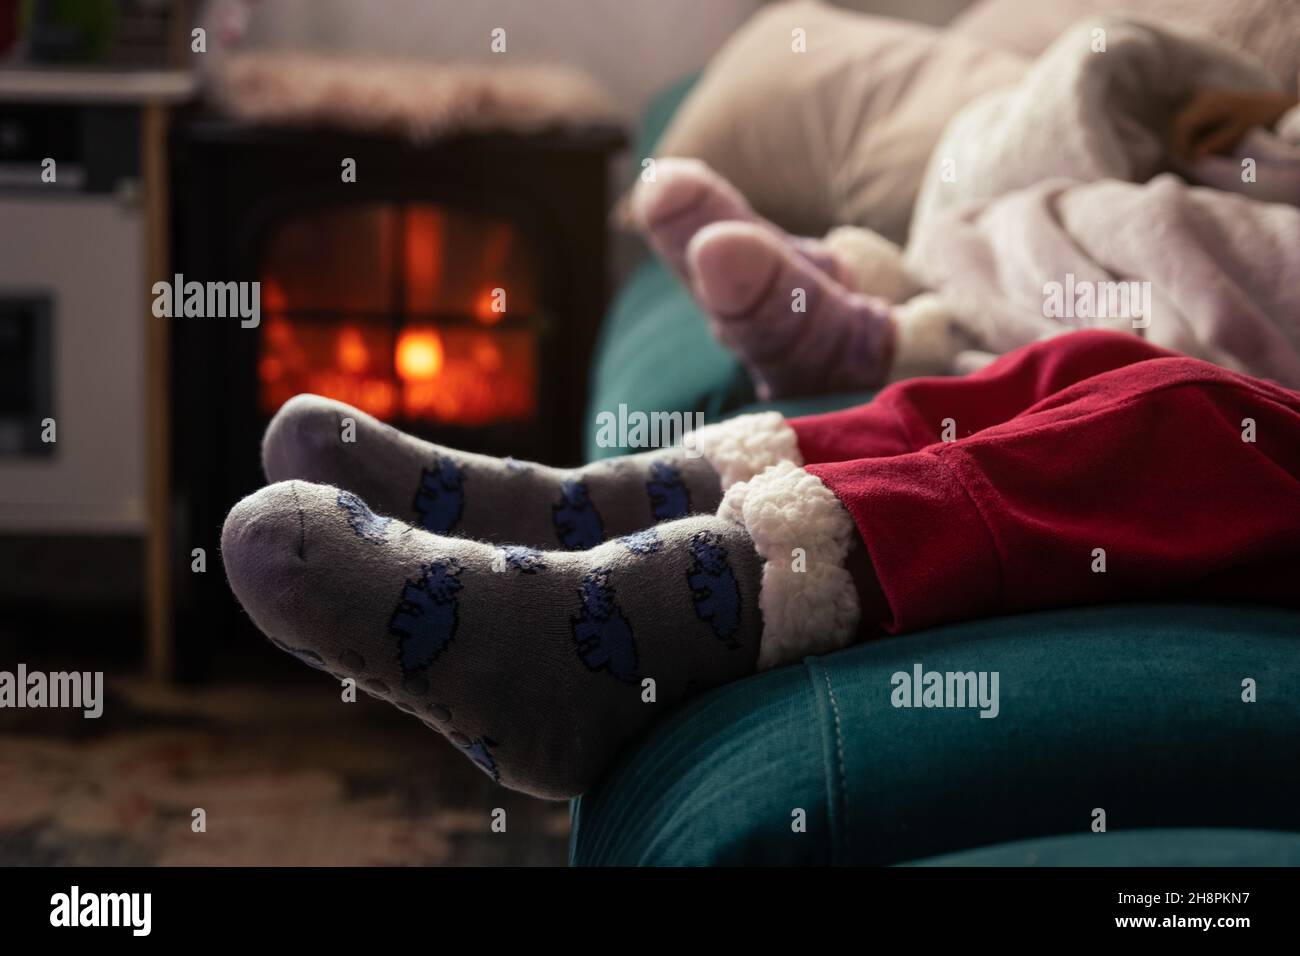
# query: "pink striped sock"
(795, 329)
(686, 196)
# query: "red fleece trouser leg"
(1085, 451)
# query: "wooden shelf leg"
(159, 648)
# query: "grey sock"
(492, 499)
(532, 662)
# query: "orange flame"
(419, 354)
(350, 350)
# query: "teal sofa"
(1136, 712)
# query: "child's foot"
(538, 665)
(492, 499)
(795, 330)
(686, 196)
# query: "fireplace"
(453, 290)
(417, 313)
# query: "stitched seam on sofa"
(833, 831)
(839, 751)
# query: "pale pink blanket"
(1062, 187)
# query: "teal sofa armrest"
(1135, 710)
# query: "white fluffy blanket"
(1042, 198)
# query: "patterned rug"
(285, 773)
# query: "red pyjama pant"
(1183, 477)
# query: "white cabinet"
(86, 253)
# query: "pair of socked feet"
(518, 609)
(540, 618)
(802, 315)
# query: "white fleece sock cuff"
(803, 534)
(741, 447)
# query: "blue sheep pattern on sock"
(714, 588)
(669, 497)
(365, 524)
(601, 632)
(426, 617)
(440, 496)
(642, 542)
(577, 522)
(527, 560)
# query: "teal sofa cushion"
(1136, 710)
(659, 113)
